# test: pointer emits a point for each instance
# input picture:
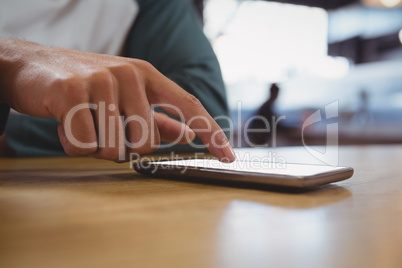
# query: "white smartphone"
(266, 173)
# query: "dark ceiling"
(326, 4)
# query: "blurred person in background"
(263, 123)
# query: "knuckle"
(103, 79)
(48, 103)
(144, 65)
(128, 73)
(145, 69)
(131, 76)
(73, 89)
(163, 123)
(193, 100)
(103, 84)
(124, 68)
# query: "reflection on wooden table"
(81, 212)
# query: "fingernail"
(229, 153)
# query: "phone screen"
(258, 172)
(272, 168)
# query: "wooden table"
(81, 212)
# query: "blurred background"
(344, 54)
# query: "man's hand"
(103, 102)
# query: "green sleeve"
(4, 111)
(167, 34)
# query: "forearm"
(13, 54)
(7, 64)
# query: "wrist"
(12, 53)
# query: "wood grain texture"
(82, 212)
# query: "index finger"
(161, 90)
